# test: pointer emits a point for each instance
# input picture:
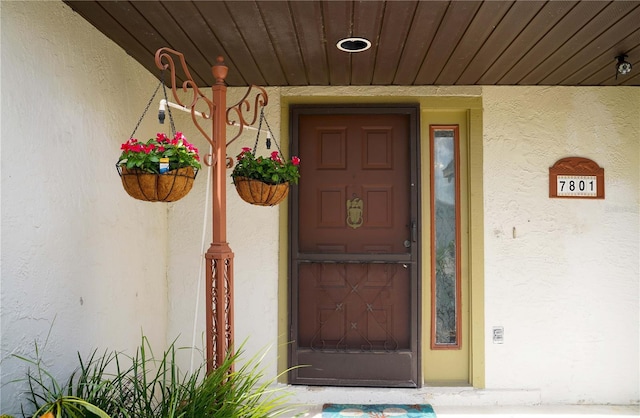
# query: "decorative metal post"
(219, 257)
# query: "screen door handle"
(414, 231)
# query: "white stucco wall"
(80, 258)
(565, 288)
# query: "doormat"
(332, 410)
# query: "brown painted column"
(219, 257)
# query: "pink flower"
(245, 150)
(189, 146)
(127, 145)
(276, 157)
(144, 154)
(295, 160)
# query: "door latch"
(414, 231)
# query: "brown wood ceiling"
(292, 43)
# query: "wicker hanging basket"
(259, 193)
(167, 187)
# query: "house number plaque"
(576, 177)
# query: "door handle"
(414, 231)
(414, 235)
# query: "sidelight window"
(445, 237)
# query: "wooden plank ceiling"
(293, 43)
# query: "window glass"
(445, 241)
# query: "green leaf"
(92, 408)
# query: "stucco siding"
(80, 258)
(561, 275)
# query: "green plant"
(144, 386)
(159, 154)
(69, 406)
(272, 170)
(52, 400)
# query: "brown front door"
(354, 247)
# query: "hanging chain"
(268, 143)
(145, 109)
(166, 99)
(255, 146)
(153, 96)
(272, 136)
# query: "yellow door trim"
(472, 108)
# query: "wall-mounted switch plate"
(498, 335)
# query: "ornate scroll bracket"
(241, 114)
(164, 61)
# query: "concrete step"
(448, 402)
(526, 411)
(318, 395)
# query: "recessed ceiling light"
(353, 44)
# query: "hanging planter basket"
(163, 168)
(259, 193)
(150, 187)
(251, 172)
